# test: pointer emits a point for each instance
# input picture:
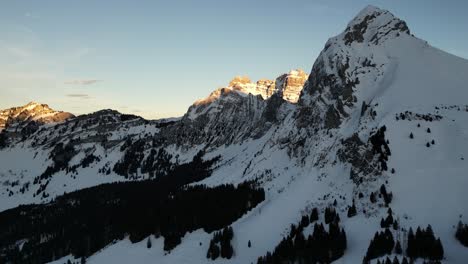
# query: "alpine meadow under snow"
(380, 125)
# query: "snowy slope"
(308, 154)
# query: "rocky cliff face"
(288, 86)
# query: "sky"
(155, 58)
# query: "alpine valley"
(364, 160)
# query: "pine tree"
(411, 135)
(352, 210)
(395, 260)
(215, 252)
(148, 242)
(249, 244)
(410, 250)
(305, 221)
(432, 142)
(462, 233)
(383, 190)
(330, 215)
(388, 261)
(398, 249)
(427, 144)
(405, 261)
(382, 223)
(428, 130)
(229, 251)
(314, 216)
(438, 250)
(372, 197)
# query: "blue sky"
(154, 58)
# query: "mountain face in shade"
(380, 107)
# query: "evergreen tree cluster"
(88, 160)
(382, 244)
(462, 233)
(132, 159)
(389, 221)
(395, 261)
(423, 244)
(3, 139)
(85, 221)
(320, 247)
(314, 215)
(331, 215)
(60, 156)
(387, 196)
(380, 147)
(157, 162)
(220, 244)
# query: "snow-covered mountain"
(379, 108)
(32, 115)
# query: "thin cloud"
(30, 15)
(83, 82)
(79, 96)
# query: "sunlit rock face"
(17, 118)
(290, 84)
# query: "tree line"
(82, 222)
(322, 246)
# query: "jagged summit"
(374, 25)
(288, 85)
(376, 55)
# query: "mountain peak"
(32, 103)
(368, 10)
(18, 117)
(374, 25)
